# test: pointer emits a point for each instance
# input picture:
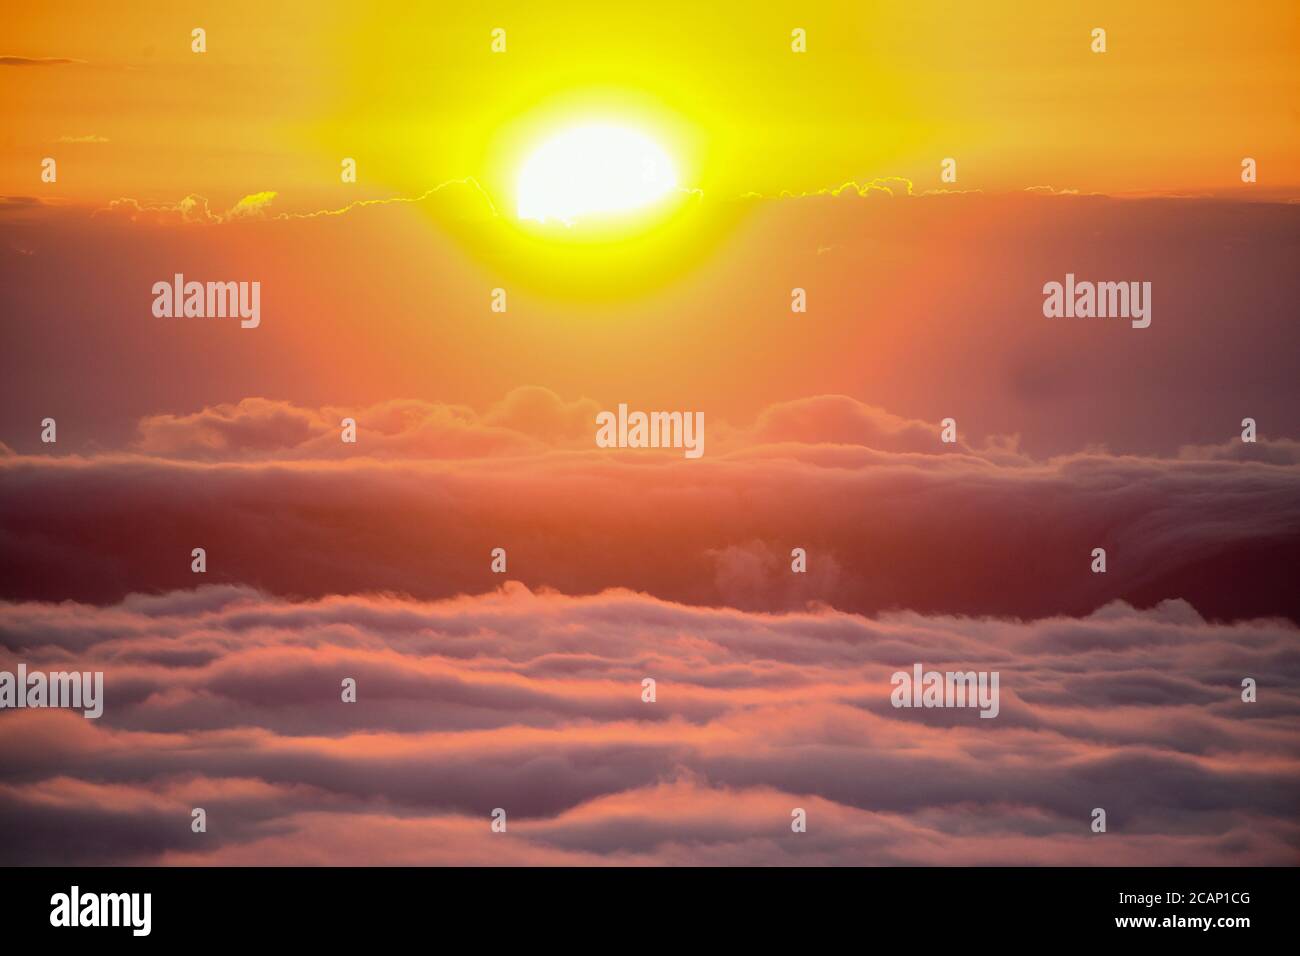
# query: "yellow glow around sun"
(593, 170)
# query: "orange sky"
(1010, 90)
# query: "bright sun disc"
(593, 170)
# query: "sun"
(594, 170)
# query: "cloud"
(193, 209)
(228, 698)
(1052, 191)
(841, 420)
(253, 206)
(463, 199)
(37, 61)
(890, 186)
(1277, 451)
(888, 515)
(527, 421)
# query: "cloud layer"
(889, 516)
(229, 699)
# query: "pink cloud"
(228, 699)
(888, 516)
